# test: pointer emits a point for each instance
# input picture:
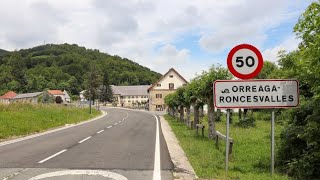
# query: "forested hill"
(3, 52)
(65, 67)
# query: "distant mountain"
(65, 66)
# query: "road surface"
(124, 144)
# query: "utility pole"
(90, 111)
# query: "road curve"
(123, 143)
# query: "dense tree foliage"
(65, 67)
(299, 153)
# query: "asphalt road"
(121, 145)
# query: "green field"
(22, 119)
(251, 151)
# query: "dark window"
(171, 76)
(158, 95)
(171, 86)
(158, 85)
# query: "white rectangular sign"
(274, 93)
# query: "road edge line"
(157, 161)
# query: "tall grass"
(250, 158)
(19, 119)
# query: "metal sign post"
(272, 142)
(227, 141)
(245, 62)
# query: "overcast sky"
(187, 35)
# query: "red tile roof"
(8, 95)
(56, 92)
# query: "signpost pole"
(227, 141)
(272, 142)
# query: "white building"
(130, 96)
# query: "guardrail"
(223, 137)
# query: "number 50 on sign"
(245, 61)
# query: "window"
(129, 97)
(171, 76)
(158, 95)
(158, 85)
(137, 97)
(171, 86)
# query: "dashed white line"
(56, 154)
(119, 121)
(84, 140)
(100, 131)
(109, 127)
(115, 123)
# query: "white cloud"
(288, 45)
(136, 28)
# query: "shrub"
(59, 100)
(246, 122)
(299, 151)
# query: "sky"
(189, 36)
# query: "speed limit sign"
(245, 61)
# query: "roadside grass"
(250, 159)
(20, 119)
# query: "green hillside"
(65, 67)
(3, 52)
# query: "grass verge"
(250, 159)
(22, 119)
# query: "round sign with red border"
(245, 61)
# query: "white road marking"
(126, 116)
(109, 127)
(100, 131)
(115, 124)
(119, 122)
(56, 154)
(83, 140)
(156, 167)
(107, 174)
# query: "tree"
(172, 103)
(93, 81)
(193, 93)
(18, 70)
(106, 94)
(59, 100)
(299, 151)
(206, 90)
(268, 71)
(181, 101)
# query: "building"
(27, 97)
(67, 98)
(56, 94)
(167, 84)
(130, 96)
(5, 99)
